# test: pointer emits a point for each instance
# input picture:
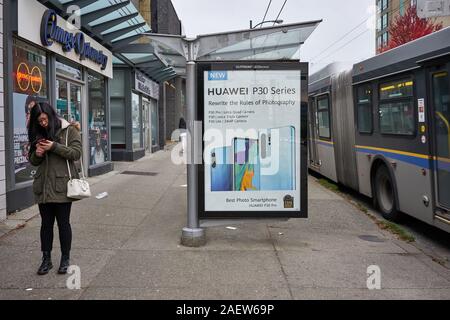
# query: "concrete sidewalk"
(127, 246)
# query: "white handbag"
(77, 188)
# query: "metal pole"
(192, 235)
(191, 166)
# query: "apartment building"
(389, 10)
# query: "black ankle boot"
(46, 263)
(64, 265)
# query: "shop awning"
(116, 24)
(143, 55)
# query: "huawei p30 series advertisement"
(252, 128)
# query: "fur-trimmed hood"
(64, 123)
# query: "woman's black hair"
(36, 131)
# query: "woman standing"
(48, 151)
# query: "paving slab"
(19, 266)
(191, 293)
(107, 215)
(317, 192)
(349, 270)
(364, 294)
(40, 294)
(318, 240)
(208, 270)
(85, 236)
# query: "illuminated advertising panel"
(254, 139)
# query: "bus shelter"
(209, 63)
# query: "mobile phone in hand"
(38, 141)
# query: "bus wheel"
(385, 194)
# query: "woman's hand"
(46, 145)
(40, 152)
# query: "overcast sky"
(339, 17)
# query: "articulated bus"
(382, 128)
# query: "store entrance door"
(68, 100)
(146, 118)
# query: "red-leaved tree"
(409, 27)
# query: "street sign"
(254, 118)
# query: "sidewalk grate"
(140, 173)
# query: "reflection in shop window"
(117, 110)
(62, 98)
(136, 121)
(98, 132)
(68, 69)
(29, 84)
(154, 123)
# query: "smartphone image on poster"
(222, 169)
(246, 165)
(277, 158)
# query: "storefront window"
(118, 110)
(64, 99)
(68, 94)
(136, 119)
(68, 70)
(30, 82)
(98, 131)
(154, 123)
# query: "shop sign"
(42, 26)
(146, 86)
(51, 32)
(27, 78)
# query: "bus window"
(323, 115)
(364, 104)
(396, 109)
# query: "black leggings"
(60, 211)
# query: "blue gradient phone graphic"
(222, 169)
(277, 153)
(246, 165)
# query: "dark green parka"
(50, 181)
